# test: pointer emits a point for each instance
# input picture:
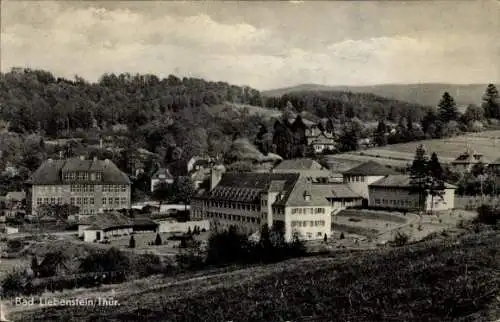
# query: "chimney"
(82, 157)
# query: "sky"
(264, 45)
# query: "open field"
(445, 279)
(367, 228)
(487, 143)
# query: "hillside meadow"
(486, 143)
(444, 279)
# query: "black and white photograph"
(253, 161)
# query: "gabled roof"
(296, 197)
(50, 172)
(162, 171)
(370, 168)
(299, 164)
(399, 181)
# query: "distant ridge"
(427, 94)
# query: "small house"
(161, 176)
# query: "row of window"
(91, 201)
(82, 188)
(398, 202)
(310, 235)
(49, 201)
(239, 218)
(355, 179)
(308, 223)
(234, 205)
(83, 176)
(309, 211)
(114, 188)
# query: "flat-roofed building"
(393, 191)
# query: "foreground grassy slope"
(440, 280)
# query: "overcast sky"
(261, 44)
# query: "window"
(98, 176)
(45, 200)
(39, 201)
(66, 176)
(124, 188)
(85, 200)
(78, 201)
(72, 200)
(86, 176)
(59, 200)
(72, 176)
(377, 201)
(117, 201)
(124, 200)
(103, 201)
(91, 200)
(319, 234)
(110, 201)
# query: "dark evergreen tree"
(158, 240)
(349, 138)
(447, 108)
(330, 128)
(419, 177)
(380, 135)
(491, 102)
(131, 243)
(436, 173)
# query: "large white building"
(394, 192)
(286, 201)
(359, 177)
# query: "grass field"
(445, 279)
(487, 143)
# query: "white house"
(359, 177)
(110, 225)
(393, 191)
(162, 175)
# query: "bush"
(16, 283)
(158, 240)
(131, 243)
(487, 215)
(400, 239)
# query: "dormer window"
(307, 196)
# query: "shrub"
(15, 283)
(488, 215)
(400, 239)
(158, 240)
(131, 243)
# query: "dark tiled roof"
(50, 172)
(398, 181)
(107, 221)
(370, 168)
(246, 187)
(299, 164)
(297, 197)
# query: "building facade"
(290, 202)
(360, 177)
(394, 192)
(161, 176)
(93, 186)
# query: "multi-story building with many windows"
(287, 201)
(92, 185)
